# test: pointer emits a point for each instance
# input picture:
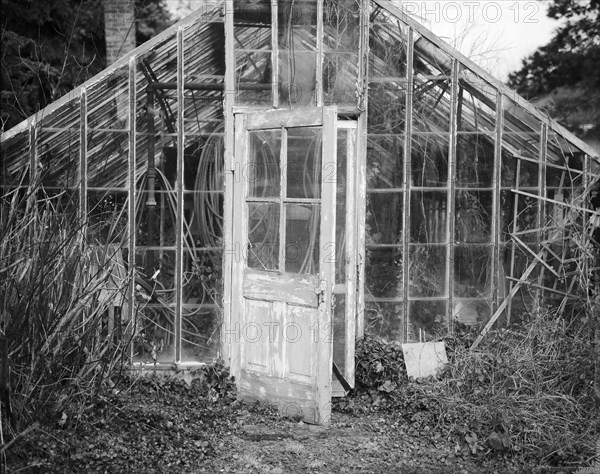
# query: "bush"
(52, 286)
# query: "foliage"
(526, 394)
(55, 306)
(379, 364)
(144, 423)
(569, 60)
(48, 48)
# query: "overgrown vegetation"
(526, 393)
(62, 347)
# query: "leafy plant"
(379, 364)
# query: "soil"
(162, 425)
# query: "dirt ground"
(156, 425)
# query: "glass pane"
(304, 162)
(302, 238)
(385, 320)
(431, 102)
(475, 160)
(385, 156)
(340, 77)
(471, 311)
(386, 108)
(263, 236)
(155, 218)
(384, 218)
(297, 25)
(107, 217)
(200, 333)
(427, 320)
(108, 158)
(428, 217)
(297, 85)
(427, 271)
(58, 155)
(154, 340)
(430, 160)
(471, 271)
(383, 272)
(473, 216)
(253, 77)
(263, 168)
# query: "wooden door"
(282, 282)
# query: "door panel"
(283, 281)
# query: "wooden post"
(406, 177)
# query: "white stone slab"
(423, 359)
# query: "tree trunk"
(119, 28)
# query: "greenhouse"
(271, 180)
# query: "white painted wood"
(230, 175)
(281, 350)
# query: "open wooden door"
(282, 283)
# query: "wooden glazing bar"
(320, 55)
(349, 259)
(541, 214)
(179, 192)
(361, 209)
(545, 288)
(132, 178)
(207, 86)
(274, 54)
(496, 263)
(83, 211)
(283, 191)
(406, 178)
(33, 155)
(451, 197)
(513, 246)
(363, 48)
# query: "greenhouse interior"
(329, 164)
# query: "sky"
(497, 34)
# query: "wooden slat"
(507, 300)
(451, 196)
(230, 176)
(406, 184)
(287, 287)
(131, 182)
(179, 220)
(496, 200)
(83, 175)
(302, 117)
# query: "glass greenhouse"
(273, 179)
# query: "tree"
(50, 47)
(567, 68)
